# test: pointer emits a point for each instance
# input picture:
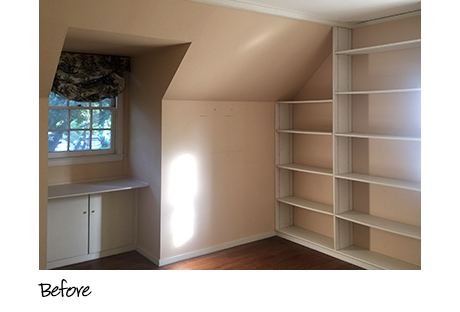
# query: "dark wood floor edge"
(332, 253)
(217, 248)
(272, 253)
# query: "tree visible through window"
(80, 128)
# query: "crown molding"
(387, 18)
(303, 17)
(276, 12)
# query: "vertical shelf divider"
(342, 146)
(283, 178)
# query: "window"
(80, 131)
(85, 114)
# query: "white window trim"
(90, 159)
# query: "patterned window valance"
(88, 77)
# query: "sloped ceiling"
(234, 54)
(108, 43)
(250, 57)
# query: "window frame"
(115, 153)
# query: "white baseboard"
(148, 255)
(209, 250)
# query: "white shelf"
(382, 224)
(378, 91)
(409, 185)
(307, 204)
(311, 237)
(337, 246)
(308, 169)
(376, 259)
(383, 48)
(304, 132)
(93, 187)
(306, 102)
(378, 136)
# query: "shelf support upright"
(342, 146)
(283, 178)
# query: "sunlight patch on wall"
(182, 191)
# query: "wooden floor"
(273, 253)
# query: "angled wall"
(150, 76)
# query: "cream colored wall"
(388, 32)
(230, 147)
(151, 76)
(319, 87)
(234, 56)
(86, 172)
(49, 51)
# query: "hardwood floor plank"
(274, 253)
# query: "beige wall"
(151, 76)
(236, 56)
(319, 87)
(224, 151)
(389, 32)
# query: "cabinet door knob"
(93, 211)
(84, 212)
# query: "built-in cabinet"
(350, 186)
(68, 224)
(91, 220)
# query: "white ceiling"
(325, 11)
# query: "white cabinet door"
(67, 227)
(111, 220)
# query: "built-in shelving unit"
(307, 236)
(409, 44)
(304, 132)
(377, 91)
(359, 172)
(381, 223)
(303, 168)
(306, 102)
(377, 136)
(288, 203)
(409, 185)
(307, 204)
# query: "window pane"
(80, 118)
(103, 103)
(101, 139)
(57, 141)
(56, 100)
(58, 119)
(102, 119)
(79, 140)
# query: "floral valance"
(89, 77)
